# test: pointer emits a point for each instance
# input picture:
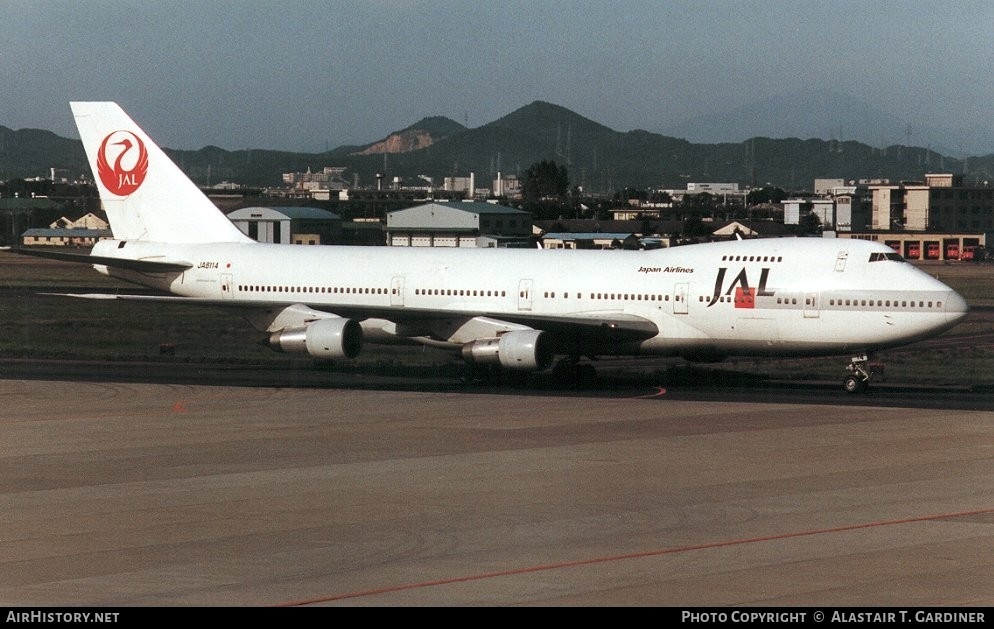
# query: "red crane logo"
(130, 167)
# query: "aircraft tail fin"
(146, 196)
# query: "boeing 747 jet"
(510, 309)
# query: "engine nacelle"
(324, 338)
(526, 350)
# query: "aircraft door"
(227, 290)
(811, 310)
(525, 295)
(397, 291)
(680, 292)
(840, 261)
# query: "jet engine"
(525, 350)
(324, 338)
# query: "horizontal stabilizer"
(157, 298)
(143, 266)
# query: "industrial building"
(941, 203)
(65, 232)
(965, 246)
(938, 219)
(839, 207)
(458, 224)
(61, 237)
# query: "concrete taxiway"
(143, 494)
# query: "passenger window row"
(353, 290)
(861, 303)
(612, 296)
(629, 296)
(727, 258)
(460, 292)
(885, 303)
(332, 290)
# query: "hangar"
(457, 224)
(289, 225)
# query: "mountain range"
(830, 115)
(599, 159)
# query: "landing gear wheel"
(859, 375)
(853, 384)
(480, 375)
(514, 378)
(586, 376)
(569, 372)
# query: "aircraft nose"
(956, 307)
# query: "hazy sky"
(311, 75)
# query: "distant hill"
(32, 152)
(417, 136)
(831, 116)
(598, 158)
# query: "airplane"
(513, 311)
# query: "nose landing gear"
(860, 370)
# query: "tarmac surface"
(208, 487)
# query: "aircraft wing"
(147, 265)
(588, 327)
(613, 328)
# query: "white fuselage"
(795, 296)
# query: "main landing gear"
(493, 375)
(859, 374)
(570, 372)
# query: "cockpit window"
(879, 257)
